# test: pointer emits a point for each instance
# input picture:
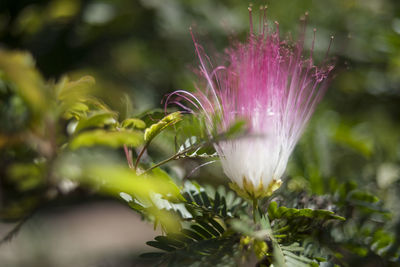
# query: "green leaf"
(106, 138)
(278, 257)
(76, 100)
(291, 213)
(209, 228)
(197, 199)
(296, 257)
(273, 210)
(170, 241)
(216, 225)
(221, 251)
(158, 127)
(26, 176)
(192, 234)
(151, 115)
(190, 133)
(164, 176)
(76, 110)
(362, 196)
(216, 207)
(205, 199)
(224, 207)
(97, 119)
(204, 151)
(180, 237)
(112, 178)
(363, 144)
(201, 231)
(73, 90)
(236, 129)
(160, 245)
(133, 123)
(19, 69)
(74, 97)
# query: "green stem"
(183, 152)
(256, 215)
(173, 157)
(278, 256)
(128, 155)
(140, 155)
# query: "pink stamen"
(267, 81)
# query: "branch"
(14, 231)
(176, 156)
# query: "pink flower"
(271, 84)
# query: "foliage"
(58, 156)
(66, 139)
(202, 225)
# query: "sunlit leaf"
(26, 176)
(163, 175)
(19, 68)
(133, 123)
(74, 90)
(158, 127)
(107, 138)
(97, 119)
(63, 9)
(151, 116)
(75, 110)
(205, 151)
(291, 213)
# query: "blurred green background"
(141, 50)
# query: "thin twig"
(140, 155)
(175, 156)
(194, 147)
(198, 167)
(14, 231)
(128, 156)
